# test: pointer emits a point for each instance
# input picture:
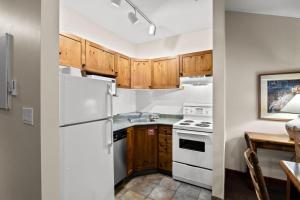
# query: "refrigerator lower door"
(87, 162)
(83, 99)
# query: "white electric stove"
(193, 146)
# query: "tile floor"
(159, 187)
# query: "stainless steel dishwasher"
(120, 155)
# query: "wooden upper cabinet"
(196, 64)
(99, 60)
(71, 50)
(140, 74)
(165, 72)
(123, 71)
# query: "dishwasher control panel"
(119, 135)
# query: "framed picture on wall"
(275, 91)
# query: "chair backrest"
(256, 175)
(297, 146)
(248, 142)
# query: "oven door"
(193, 148)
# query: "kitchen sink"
(141, 119)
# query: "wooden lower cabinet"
(149, 147)
(145, 144)
(130, 151)
(165, 148)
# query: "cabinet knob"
(59, 53)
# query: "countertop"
(123, 122)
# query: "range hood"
(200, 80)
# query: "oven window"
(192, 145)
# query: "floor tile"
(120, 192)
(135, 181)
(189, 189)
(160, 193)
(143, 188)
(130, 195)
(169, 183)
(154, 178)
(184, 196)
(205, 194)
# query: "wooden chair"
(297, 147)
(256, 175)
(248, 142)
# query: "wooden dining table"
(292, 171)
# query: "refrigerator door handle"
(110, 143)
(110, 92)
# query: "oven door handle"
(192, 133)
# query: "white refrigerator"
(86, 138)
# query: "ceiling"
(288, 8)
(172, 17)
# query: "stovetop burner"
(202, 125)
(206, 123)
(183, 123)
(189, 121)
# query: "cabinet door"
(188, 66)
(196, 64)
(99, 60)
(165, 73)
(140, 74)
(145, 140)
(130, 151)
(71, 50)
(165, 148)
(123, 71)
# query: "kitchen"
(154, 105)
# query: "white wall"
(255, 44)
(50, 157)
(72, 22)
(125, 101)
(219, 95)
(171, 101)
(185, 43)
(20, 150)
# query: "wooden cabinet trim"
(197, 53)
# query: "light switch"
(28, 116)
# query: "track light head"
(132, 17)
(116, 3)
(152, 29)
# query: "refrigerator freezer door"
(83, 99)
(87, 162)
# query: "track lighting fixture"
(152, 29)
(116, 3)
(132, 17)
